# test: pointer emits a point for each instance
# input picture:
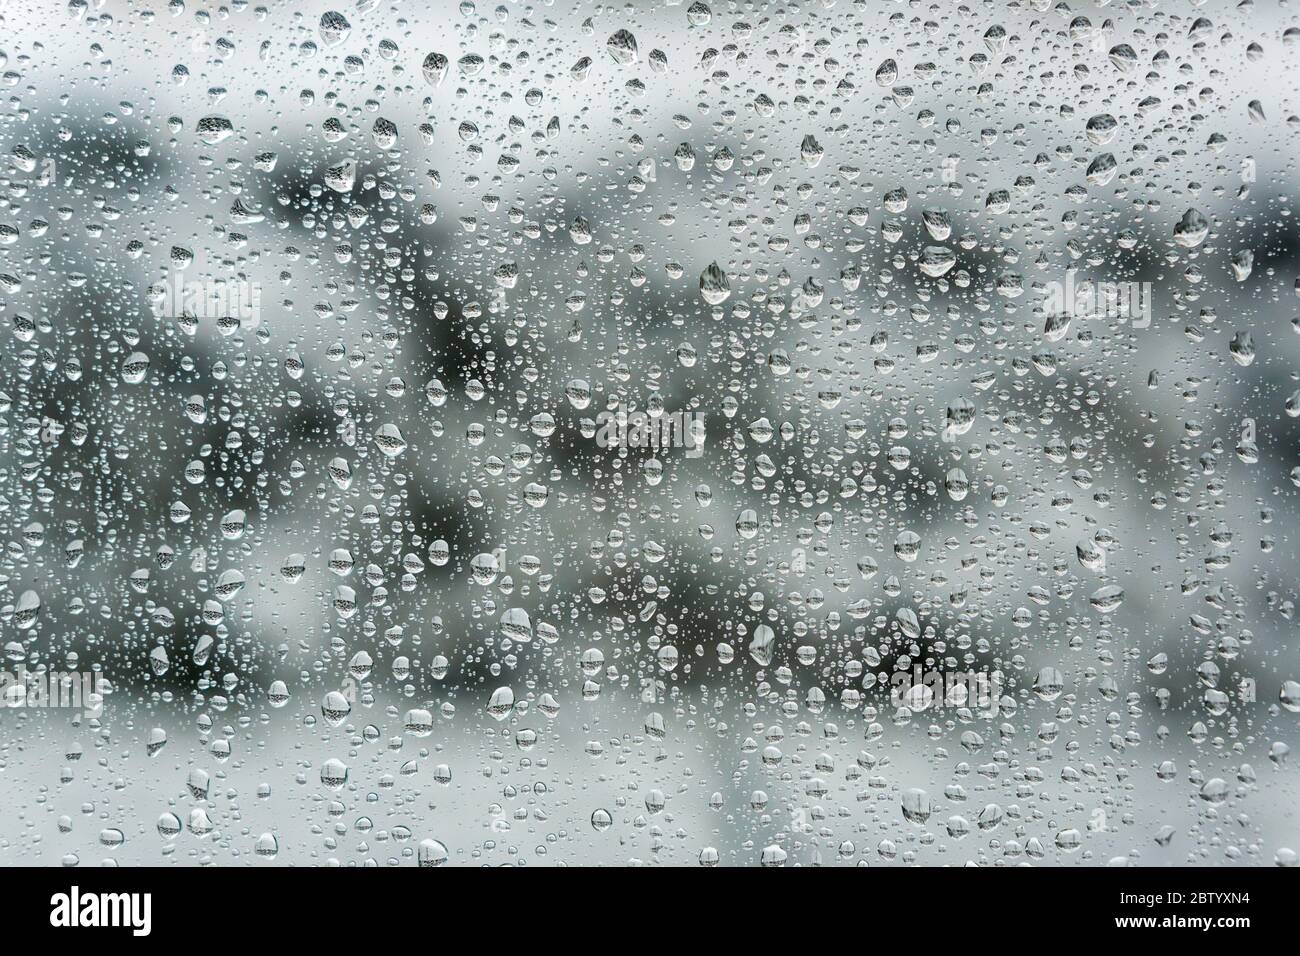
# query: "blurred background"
(368, 525)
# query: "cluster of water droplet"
(320, 319)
